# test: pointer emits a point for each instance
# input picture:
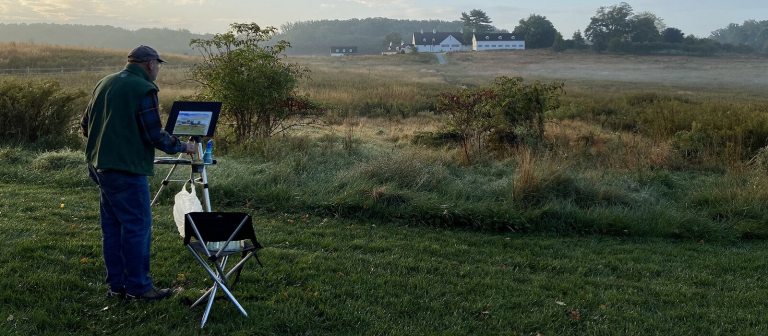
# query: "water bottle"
(208, 154)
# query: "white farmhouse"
(438, 42)
(496, 41)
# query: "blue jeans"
(126, 225)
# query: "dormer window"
(487, 37)
(500, 37)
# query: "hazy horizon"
(699, 18)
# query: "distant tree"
(657, 21)
(537, 31)
(477, 21)
(751, 33)
(252, 79)
(672, 35)
(392, 40)
(559, 44)
(609, 23)
(578, 40)
(644, 29)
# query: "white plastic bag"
(185, 202)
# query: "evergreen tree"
(477, 21)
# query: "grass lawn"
(333, 276)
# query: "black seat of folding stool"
(218, 227)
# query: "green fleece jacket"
(114, 138)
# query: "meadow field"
(642, 212)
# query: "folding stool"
(212, 237)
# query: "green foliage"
(468, 115)
(537, 31)
(559, 44)
(672, 35)
(507, 112)
(39, 112)
(578, 40)
(477, 21)
(521, 104)
(609, 23)
(255, 84)
(751, 33)
(644, 28)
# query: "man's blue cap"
(144, 53)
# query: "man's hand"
(191, 147)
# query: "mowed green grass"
(329, 276)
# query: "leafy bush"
(38, 112)
(257, 86)
(508, 111)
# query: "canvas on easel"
(196, 119)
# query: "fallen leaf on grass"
(560, 303)
(575, 314)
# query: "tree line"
(618, 28)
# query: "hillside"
(108, 37)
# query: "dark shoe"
(152, 294)
(119, 293)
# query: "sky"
(699, 17)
